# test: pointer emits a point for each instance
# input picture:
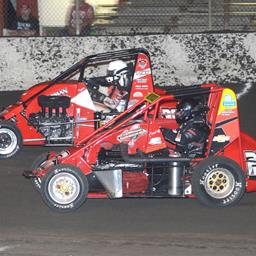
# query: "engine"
(52, 121)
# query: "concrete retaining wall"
(177, 59)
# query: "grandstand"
(178, 16)
(132, 17)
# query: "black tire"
(36, 182)
(218, 182)
(71, 197)
(10, 139)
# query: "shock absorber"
(97, 118)
(176, 172)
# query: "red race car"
(75, 103)
(186, 143)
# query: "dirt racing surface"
(117, 227)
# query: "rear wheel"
(64, 188)
(218, 182)
(10, 139)
(36, 182)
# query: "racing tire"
(10, 139)
(218, 182)
(36, 182)
(64, 188)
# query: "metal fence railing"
(124, 17)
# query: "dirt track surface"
(116, 227)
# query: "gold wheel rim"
(219, 183)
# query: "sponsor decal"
(154, 133)
(251, 166)
(141, 73)
(142, 80)
(138, 95)
(168, 113)
(229, 101)
(141, 87)
(60, 92)
(155, 141)
(152, 97)
(228, 112)
(221, 138)
(132, 134)
(142, 63)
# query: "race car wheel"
(218, 182)
(36, 182)
(64, 188)
(10, 139)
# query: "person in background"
(27, 25)
(82, 19)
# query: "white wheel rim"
(219, 183)
(8, 141)
(64, 188)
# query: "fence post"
(77, 18)
(226, 13)
(210, 14)
(2, 15)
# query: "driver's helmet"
(184, 110)
(117, 73)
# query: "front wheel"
(64, 188)
(10, 139)
(218, 182)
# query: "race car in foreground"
(71, 106)
(141, 153)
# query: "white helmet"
(117, 72)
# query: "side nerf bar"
(133, 159)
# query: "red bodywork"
(139, 129)
(83, 108)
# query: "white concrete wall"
(177, 59)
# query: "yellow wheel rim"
(219, 183)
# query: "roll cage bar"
(178, 91)
(91, 60)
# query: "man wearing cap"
(27, 25)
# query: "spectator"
(82, 20)
(27, 25)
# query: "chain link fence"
(124, 17)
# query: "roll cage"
(91, 61)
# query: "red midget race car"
(186, 143)
(71, 106)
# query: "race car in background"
(133, 155)
(71, 106)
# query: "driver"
(116, 82)
(190, 138)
